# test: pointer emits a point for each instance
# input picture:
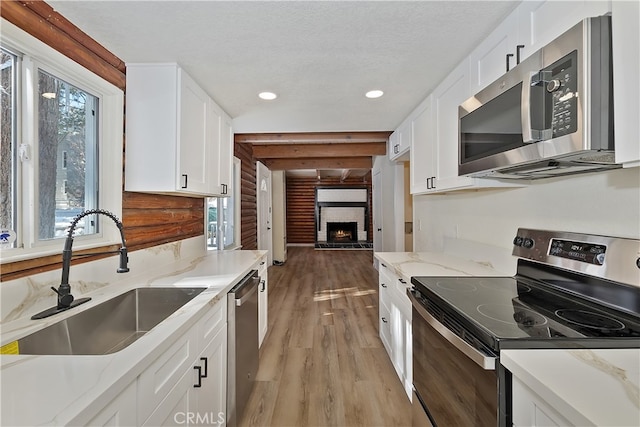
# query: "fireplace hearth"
(342, 232)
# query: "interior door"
(263, 184)
(377, 211)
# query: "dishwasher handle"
(246, 296)
(246, 288)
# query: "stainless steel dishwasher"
(242, 357)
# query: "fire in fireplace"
(340, 232)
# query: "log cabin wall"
(149, 220)
(248, 196)
(301, 205)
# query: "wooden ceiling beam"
(311, 137)
(275, 151)
(320, 163)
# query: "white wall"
(605, 203)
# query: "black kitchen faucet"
(65, 298)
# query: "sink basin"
(109, 326)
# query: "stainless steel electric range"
(570, 291)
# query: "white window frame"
(235, 197)
(35, 55)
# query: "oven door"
(455, 383)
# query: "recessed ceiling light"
(374, 94)
(267, 96)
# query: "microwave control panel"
(562, 85)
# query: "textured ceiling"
(320, 57)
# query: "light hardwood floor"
(322, 362)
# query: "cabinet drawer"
(211, 322)
(385, 326)
(164, 373)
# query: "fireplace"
(341, 232)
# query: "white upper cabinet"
(423, 149)
(221, 152)
(527, 29)
(453, 90)
(400, 142)
(173, 134)
(490, 59)
(194, 136)
(626, 84)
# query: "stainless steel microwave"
(550, 115)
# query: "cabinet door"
(626, 69)
(489, 60)
(447, 97)
(400, 142)
(194, 136)
(225, 156)
(215, 132)
(121, 411)
(540, 22)
(385, 327)
(423, 150)
(174, 410)
(157, 381)
(209, 401)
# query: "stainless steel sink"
(109, 326)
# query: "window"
(8, 152)
(222, 216)
(61, 149)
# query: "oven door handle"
(485, 362)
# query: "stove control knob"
(638, 263)
(527, 243)
(517, 241)
(599, 259)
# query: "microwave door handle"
(525, 110)
(536, 81)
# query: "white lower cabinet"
(529, 409)
(121, 411)
(395, 325)
(263, 301)
(187, 384)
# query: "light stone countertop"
(588, 387)
(60, 390)
(408, 264)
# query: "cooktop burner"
(506, 309)
(457, 286)
(589, 319)
(507, 314)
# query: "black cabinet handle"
(379, 229)
(264, 285)
(206, 365)
(383, 285)
(263, 262)
(184, 175)
(224, 189)
(431, 183)
(199, 383)
(402, 281)
(518, 49)
(509, 55)
(384, 320)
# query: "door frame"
(264, 210)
